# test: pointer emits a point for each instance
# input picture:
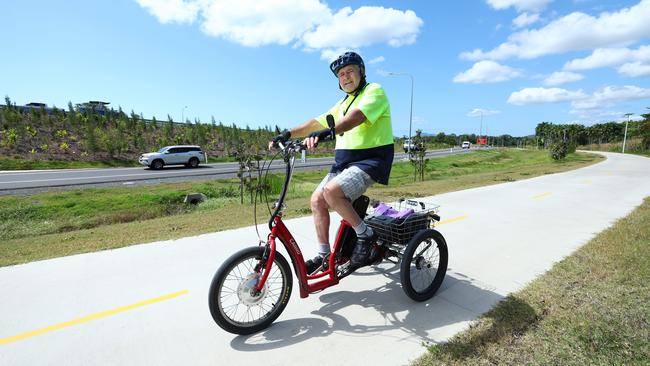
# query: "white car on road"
(187, 155)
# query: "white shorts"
(353, 182)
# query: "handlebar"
(297, 146)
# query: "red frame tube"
(282, 232)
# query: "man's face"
(349, 78)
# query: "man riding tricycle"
(252, 287)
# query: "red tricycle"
(253, 286)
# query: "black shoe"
(362, 250)
(312, 265)
(376, 255)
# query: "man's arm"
(306, 128)
(352, 119)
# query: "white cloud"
(609, 95)
(260, 22)
(544, 95)
(597, 115)
(634, 69)
(520, 5)
(487, 72)
(330, 55)
(171, 11)
(364, 27)
(562, 77)
(307, 23)
(604, 97)
(477, 112)
(606, 57)
(376, 60)
(525, 19)
(576, 31)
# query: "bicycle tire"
(421, 266)
(249, 257)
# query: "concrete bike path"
(147, 304)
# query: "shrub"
(559, 150)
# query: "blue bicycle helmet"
(348, 58)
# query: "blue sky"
(265, 62)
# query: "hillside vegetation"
(57, 135)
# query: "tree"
(644, 131)
(418, 157)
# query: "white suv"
(466, 145)
(409, 145)
(187, 155)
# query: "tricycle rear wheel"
(424, 264)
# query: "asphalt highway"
(42, 180)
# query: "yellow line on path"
(542, 195)
(89, 318)
(451, 220)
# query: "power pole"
(625, 134)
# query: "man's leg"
(321, 214)
(339, 194)
(320, 211)
(334, 196)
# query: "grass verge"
(49, 225)
(632, 146)
(592, 308)
(28, 164)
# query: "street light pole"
(625, 134)
(480, 131)
(183, 115)
(411, 112)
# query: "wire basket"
(401, 230)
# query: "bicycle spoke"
(245, 308)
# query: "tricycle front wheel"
(235, 303)
(424, 264)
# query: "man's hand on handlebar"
(282, 137)
(312, 140)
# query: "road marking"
(152, 176)
(543, 195)
(452, 220)
(89, 318)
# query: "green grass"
(49, 225)
(28, 164)
(592, 308)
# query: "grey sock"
(361, 228)
(366, 233)
(323, 249)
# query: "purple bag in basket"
(384, 210)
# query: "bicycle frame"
(280, 231)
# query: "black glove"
(282, 137)
(323, 135)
